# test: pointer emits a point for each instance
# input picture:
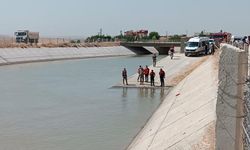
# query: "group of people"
(212, 48)
(209, 48)
(240, 42)
(143, 76)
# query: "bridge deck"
(153, 44)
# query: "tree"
(175, 38)
(202, 33)
(154, 36)
(99, 38)
(72, 41)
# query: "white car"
(211, 41)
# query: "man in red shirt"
(162, 76)
(146, 73)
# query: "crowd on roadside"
(240, 42)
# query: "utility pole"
(101, 31)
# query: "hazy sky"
(86, 17)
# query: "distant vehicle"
(236, 38)
(240, 41)
(221, 37)
(25, 36)
(197, 46)
(211, 41)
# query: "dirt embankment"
(183, 74)
(208, 140)
(7, 42)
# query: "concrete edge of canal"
(204, 111)
(10, 56)
(186, 118)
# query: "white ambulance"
(197, 46)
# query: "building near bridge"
(139, 33)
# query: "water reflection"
(124, 92)
(147, 92)
(162, 93)
(152, 93)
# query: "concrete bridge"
(151, 47)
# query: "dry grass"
(8, 42)
(183, 74)
(216, 59)
(208, 140)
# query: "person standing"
(171, 52)
(162, 77)
(139, 75)
(154, 59)
(212, 49)
(206, 48)
(146, 73)
(124, 77)
(152, 78)
(245, 40)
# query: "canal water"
(69, 105)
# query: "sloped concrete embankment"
(186, 118)
(232, 76)
(19, 55)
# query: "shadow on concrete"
(138, 50)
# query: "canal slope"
(186, 118)
(19, 55)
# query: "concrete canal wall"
(233, 68)
(186, 118)
(204, 111)
(19, 55)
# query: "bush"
(175, 38)
(154, 36)
(99, 38)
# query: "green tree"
(175, 38)
(99, 38)
(202, 34)
(72, 41)
(154, 38)
(154, 35)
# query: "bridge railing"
(151, 42)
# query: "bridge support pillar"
(162, 50)
(138, 50)
(182, 45)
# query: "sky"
(82, 18)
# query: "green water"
(69, 105)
